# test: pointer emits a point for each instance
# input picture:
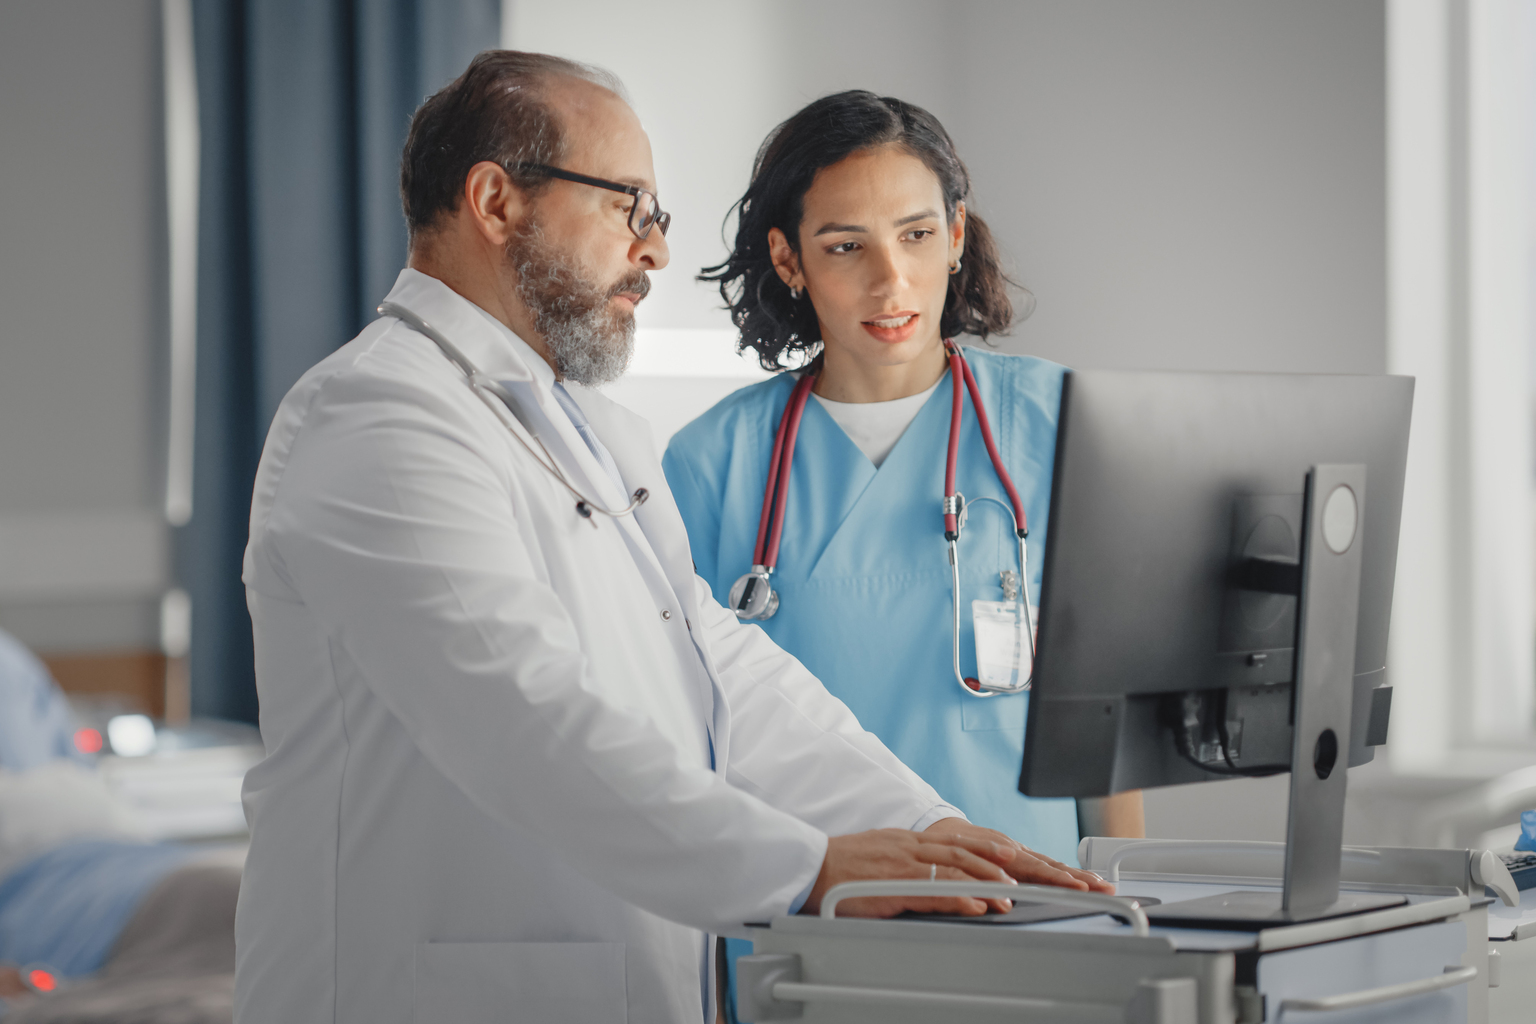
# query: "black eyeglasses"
(644, 213)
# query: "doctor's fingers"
(956, 857)
(1092, 879)
(951, 863)
(992, 846)
(1038, 869)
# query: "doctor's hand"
(1024, 864)
(899, 853)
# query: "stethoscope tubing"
(483, 387)
(770, 524)
(958, 363)
(776, 495)
(954, 515)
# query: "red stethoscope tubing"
(776, 494)
(959, 368)
(770, 524)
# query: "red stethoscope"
(753, 597)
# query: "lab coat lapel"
(458, 319)
(504, 358)
(507, 359)
(617, 433)
(628, 439)
(655, 534)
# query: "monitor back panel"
(1163, 484)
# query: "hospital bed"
(118, 874)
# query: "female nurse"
(855, 255)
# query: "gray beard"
(590, 342)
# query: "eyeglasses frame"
(662, 218)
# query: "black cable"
(1185, 744)
(1262, 771)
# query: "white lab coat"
(488, 791)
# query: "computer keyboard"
(1522, 868)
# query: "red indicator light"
(42, 980)
(88, 740)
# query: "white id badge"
(1002, 654)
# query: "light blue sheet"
(35, 723)
(67, 907)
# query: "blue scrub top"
(863, 573)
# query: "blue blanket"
(67, 907)
(35, 723)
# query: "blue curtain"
(303, 110)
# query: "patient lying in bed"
(97, 924)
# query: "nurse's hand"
(900, 853)
(1024, 864)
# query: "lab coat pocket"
(513, 982)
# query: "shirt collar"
(487, 342)
(543, 373)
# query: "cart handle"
(1452, 977)
(1126, 909)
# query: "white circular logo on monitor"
(1339, 517)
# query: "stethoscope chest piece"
(752, 597)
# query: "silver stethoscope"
(484, 386)
(753, 597)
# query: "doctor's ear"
(492, 203)
(785, 260)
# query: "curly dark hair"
(820, 135)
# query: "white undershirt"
(876, 426)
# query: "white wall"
(1185, 184)
(1190, 184)
(82, 252)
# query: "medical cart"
(1425, 961)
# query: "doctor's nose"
(651, 252)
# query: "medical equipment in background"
(752, 597)
(482, 385)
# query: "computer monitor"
(1187, 519)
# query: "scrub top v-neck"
(875, 427)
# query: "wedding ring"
(933, 872)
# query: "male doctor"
(519, 763)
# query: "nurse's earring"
(954, 268)
(794, 293)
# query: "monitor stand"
(1323, 694)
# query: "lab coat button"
(666, 615)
